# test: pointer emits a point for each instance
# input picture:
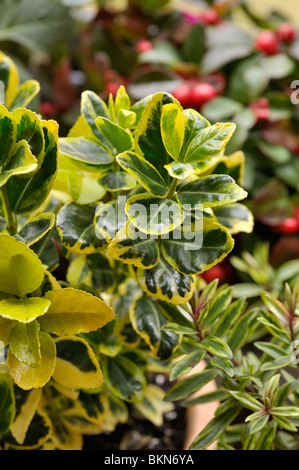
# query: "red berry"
(262, 114)
(210, 17)
(202, 93)
(183, 93)
(143, 45)
(47, 109)
(267, 42)
(286, 32)
(262, 103)
(216, 272)
(289, 226)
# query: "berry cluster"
(269, 41)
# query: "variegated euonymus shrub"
(138, 199)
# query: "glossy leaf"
(148, 139)
(188, 386)
(21, 272)
(124, 378)
(194, 250)
(117, 181)
(21, 162)
(76, 229)
(119, 138)
(172, 129)
(152, 215)
(235, 217)
(27, 377)
(24, 343)
(209, 142)
(84, 150)
(73, 311)
(36, 228)
(165, 283)
(23, 310)
(217, 347)
(211, 191)
(25, 94)
(144, 172)
(134, 247)
(92, 106)
(7, 134)
(26, 195)
(29, 128)
(80, 369)
(147, 319)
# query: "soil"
(138, 434)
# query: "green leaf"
(235, 217)
(7, 401)
(109, 218)
(240, 331)
(21, 162)
(7, 134)
(185, 365)
(152, 215)
(21, 272)
(247, 400)
(217, 347)
(179, 170)
(92, 106)
(133, 247)
(152, 407)
(117, 181)
(36, 228)
(190, 385)
(147, 319)
(24, 343)
(148, 138)
(119, 138)
(73, 311)
(172, 129)
(194, 44)
(124, 378)
(76, 228)
(211, 191)
(285, 423)
(25, 310)
(179, 329)
(285, 411)
(27, 377)
(102, 270)
(215, 428)
(84, 150)
(29, 128)
(227, 320)
(25, 94)
(196, 248)
(9, 76)
(80, 369)
(144, 172)
(27, 194)
(271, 349)
(34, 25)
(165, 283)
(258, 424)
(209, 142)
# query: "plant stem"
(10, 216)
(172, 188)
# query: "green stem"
(10, 216)
(172, 188)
